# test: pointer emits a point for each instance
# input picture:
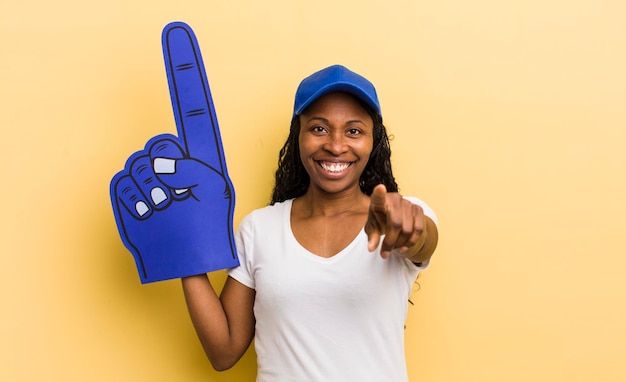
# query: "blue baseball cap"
(335, 78)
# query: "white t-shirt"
(323, 319)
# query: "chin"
(337, 188)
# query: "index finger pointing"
(377, 198)
(376, 220)
(194, 112)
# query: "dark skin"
(335, 142)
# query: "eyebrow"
(326, 121)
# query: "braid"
(292, 180)
(378, 169)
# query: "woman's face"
(336, 139)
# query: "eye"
(353, 131)
(318, 129)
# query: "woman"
(326, 269)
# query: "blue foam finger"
(188, 228)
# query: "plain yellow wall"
(509, 118)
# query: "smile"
(334, 167)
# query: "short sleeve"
(244, 272)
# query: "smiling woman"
(327, 269)
(292, 180)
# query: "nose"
(336, 144)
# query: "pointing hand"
(401, 221)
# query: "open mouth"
(334, 167)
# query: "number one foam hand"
(174, 201)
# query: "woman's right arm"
(225, 324)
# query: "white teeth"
(334, 167)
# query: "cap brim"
(339, 87)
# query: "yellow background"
(508, 117)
